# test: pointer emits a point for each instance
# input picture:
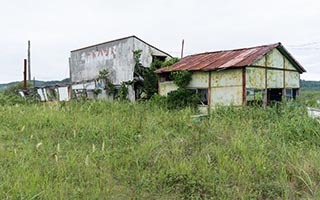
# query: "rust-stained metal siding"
(199, 80)
(274, 78)
(226, 78)
(255, 77)
(228, 74)
(226, 96)
(275, 59)
(288, 65)
(292, 79)
(231, 59)
(226, 88)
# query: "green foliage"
(145, 79)
(309, 98)
(104, 75)
(182, 98)
(151, 78)
(13, 89)
(120, 150)
(181, 78)
(310, 85)
(10, 95)
(123, 92)
(170, 62)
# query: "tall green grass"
(114, 150)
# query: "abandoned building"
(238, 77)
(117, 57)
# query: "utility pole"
(182, 48)
(29, 62)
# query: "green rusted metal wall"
(226, 87)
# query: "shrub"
(182, 98)
(181, 78)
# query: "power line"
(303, 45)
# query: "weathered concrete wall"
(147, 52)
(116, 56)
(226, 87)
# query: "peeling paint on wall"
(230, 77)
(275, 59)
(288, 65)
(226, 96)
(274, 78)
(255, 78)
(226, 87)
(199, 80)
(292, 79)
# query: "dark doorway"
(274, 95)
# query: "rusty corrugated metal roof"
(227, 59)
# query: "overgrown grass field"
(114, 150)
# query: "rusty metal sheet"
(199, 80)
(274, 78)
(255, 78)
(292, 79)
(227, 78)
(226, 96)
(227, 59)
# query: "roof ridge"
(240, 49)
(98, 44)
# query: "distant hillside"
(310, 85)
(305, 85)
(37, 83)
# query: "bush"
(181, 78)
(182, 98)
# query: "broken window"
(292, 93)
(203, 95)
(289, 93)
(159, 58)
(165, 77)
(255, 96)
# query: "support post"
(284, 78)
(265, 100)
(209, 93)
(25, 74)
(244, 90)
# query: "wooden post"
(284, 78)
(209, 93)
(25, 74)
(244, 90)
(265, 100)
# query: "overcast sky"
(58, 26)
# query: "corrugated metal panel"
(226, 59)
